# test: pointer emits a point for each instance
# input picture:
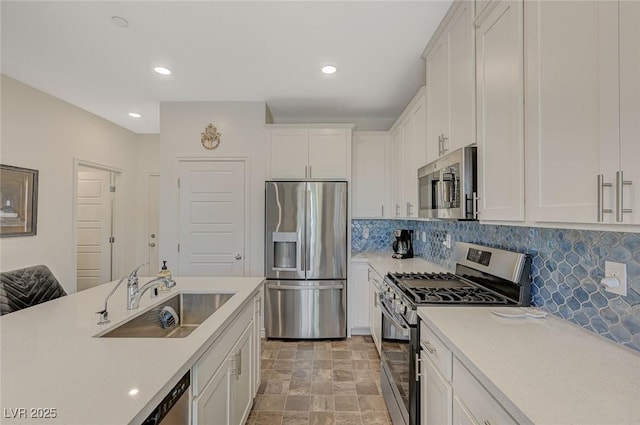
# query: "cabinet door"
(461, 415)
(397, 176)
(289, 153)
(499, 53)
(437, 64)
(370, 174)
(328, 154)
(375, 313)
(414, 154)
(257, 326)
(212, 405)
(436, 395)
(462, 78)
(242, 377)
(571, 107)
(630, 106)
(357, 291)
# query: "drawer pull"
(429, 348)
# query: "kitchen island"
(527, 370)
(52, 363)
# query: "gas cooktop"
(445, 288)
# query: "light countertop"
(383, 263)
(50, 358)
(543, 371)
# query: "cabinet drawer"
(480, 403)
(210, 361)
(374, 277)
(436, 350)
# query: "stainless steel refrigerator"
(306, 259)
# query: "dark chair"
(27, 287)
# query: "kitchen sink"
(192, 309)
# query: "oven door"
(399, 345)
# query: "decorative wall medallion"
(210, 138)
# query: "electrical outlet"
(423, 236)
(618, 271)
(447, 241)
(365, 233)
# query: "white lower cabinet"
(223, 384)
(461, 415)
(480, 403)
(357, 291)
(375, 313)
(449, 392)
(436, 394)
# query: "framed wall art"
(18, 201)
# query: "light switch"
(615, 278)
(365, 233)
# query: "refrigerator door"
(326, 230)
(306, 309)
(284, 230)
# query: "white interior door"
(212, 217)
(94, 228)
(153, 235)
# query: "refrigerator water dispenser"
(285, 252)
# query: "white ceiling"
(224, 51)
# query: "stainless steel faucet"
(134, 293)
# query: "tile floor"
(320, 383)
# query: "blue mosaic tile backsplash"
(567, 266)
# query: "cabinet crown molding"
(342, 126)
(409, 107)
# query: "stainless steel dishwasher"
(174, 408)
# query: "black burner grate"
(443, 288)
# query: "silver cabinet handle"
(475, 205)
(382, 212)
(444, 144)
(236, 364)
(600, 202)
(238, 257)
(427, 346)
(418, 361)
(306, 167)
(620, 183)
(409, 207)
(310, 172)
(152, 244)
(397, 210)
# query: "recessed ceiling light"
(162, 70)
(133, 391)
(329, 69)
(120, 21)
(134, 115)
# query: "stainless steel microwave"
(447, 187)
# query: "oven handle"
(403, 329)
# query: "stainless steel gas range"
(483, 276)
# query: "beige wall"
(243, 136)
(42, 132)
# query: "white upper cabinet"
(500, 114)
(309, 153)
(450, 69)
(371, 174)
(408, 143)
(583, 111)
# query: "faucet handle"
(133, 276)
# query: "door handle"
(152, 244)
(238, 257)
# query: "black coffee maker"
(403, 245)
